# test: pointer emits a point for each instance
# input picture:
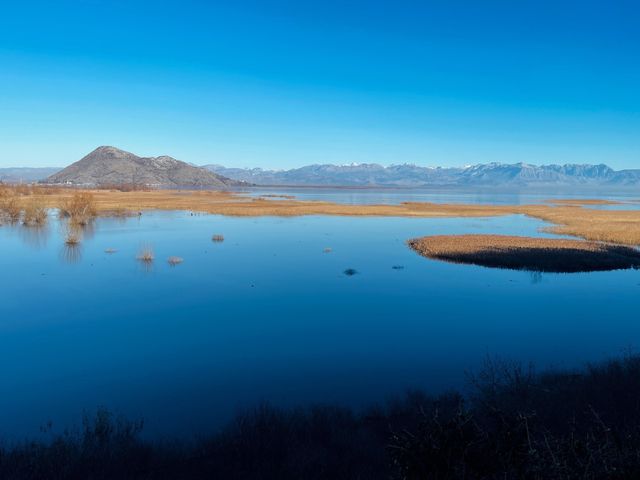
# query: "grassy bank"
(515, 424)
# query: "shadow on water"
(516, 423)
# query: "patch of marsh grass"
(173, 261)
(35, 213)
(10, 208)
(146, 254)
(80, 208)
(72, 237)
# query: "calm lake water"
(267, 316)
(366, 196)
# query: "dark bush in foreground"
(516, 424)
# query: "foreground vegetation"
(514, 424)
(527, 253)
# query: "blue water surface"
(268, 316)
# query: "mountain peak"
(111, 165)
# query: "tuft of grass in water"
(349, 272)
(110, 250)
(173, 261)
(80, 208)
(72, 237)
(35, 213)
(217, 238)
(146, 254)
(327, 250)
(10, 206)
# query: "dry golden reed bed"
(526, 253)
(573, 217)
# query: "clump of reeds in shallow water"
(72, 237)
(79, 208)
(146, 254)
(173, 261)
(327, 250)
(217, 238)
(10, 207)
(110, 250)
(35, 213)
(350, 272)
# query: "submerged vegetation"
(527, 253)
(514, 424)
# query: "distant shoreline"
(569, 217)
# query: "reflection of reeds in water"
(71, 252)
(35, 236)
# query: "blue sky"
(282, 84)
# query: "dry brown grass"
(146, 254)
(582, 201)
(173, 261)
(527, 253)
(10, 208)
(35, 213)
(618, 226)
(72, 237)
(79, 208)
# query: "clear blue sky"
(283, 84)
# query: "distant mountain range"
(109, 165)
(26, 174)
(485, 175)
(112, 166)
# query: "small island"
(527, 253)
